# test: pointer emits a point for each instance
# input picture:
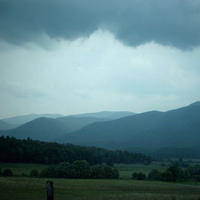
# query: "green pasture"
(25, 188)
(125, 170)
(21, 168)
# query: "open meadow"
(22, 188)
(125, 170)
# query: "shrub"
(34, 173)
(7, 172)
(155, 175)
(138, 176)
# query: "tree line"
(173, 173)
(79, 169)
(33, 151)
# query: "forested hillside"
(32, 151)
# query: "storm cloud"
(133, 22)
(78, 56)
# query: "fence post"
(50, 190)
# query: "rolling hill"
(19, 120)
(76, 122)
(150, 130)
(44, 129)
(5, 125)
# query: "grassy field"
(127, 170)
(21, 168)
(26, 188)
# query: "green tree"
(138, 176)
(176, 172)
(109, 161)
(34, 173)
(167, 176)
(97, 171)
(81, 169)
(7, 172)
(108, 172)
(65, 170)
(155, 175)
(50, 172)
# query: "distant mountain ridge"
(5, 125)
(46, 129)
(153, 130)
(76, 122)
(43, 129)
(19, 120)
(105, 114)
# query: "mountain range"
(178, 128)
(153, 130)
(19, 120)
(42, 127)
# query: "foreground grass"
(26, 188)
(18, 188)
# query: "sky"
(73, 56)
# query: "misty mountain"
(19, 120)
(5, 125)
(150, 130)
(47, 129)
(105, 114)
(43, 129)
(76, 123)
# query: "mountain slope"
(19, 120)
(48, 128)
(43, 129)
(5, 125)
(111, 133)
(106, 114)
(175, 128)
(76, 123)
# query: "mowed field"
(26, 188)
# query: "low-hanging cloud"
(133, 22)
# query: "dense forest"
(33, 151)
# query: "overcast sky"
(75, 56)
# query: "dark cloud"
(134, 22)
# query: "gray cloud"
(173, 23)
(20, 91)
